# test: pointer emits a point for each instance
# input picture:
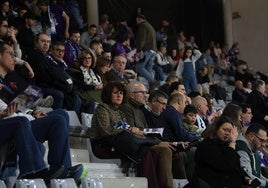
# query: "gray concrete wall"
(251, 31)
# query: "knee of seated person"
(21, 121)
(162, 150)
(60, 122)
(60, 112)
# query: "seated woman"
(87, 84)
(217, 162)
(102, 66)
(109, 128)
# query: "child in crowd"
(190, 118)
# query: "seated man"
(247, 146)
(26, 134)
(118, 72)
(136, 93)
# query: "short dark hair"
(244, 107)
(193, 94)
(57, 43)
(92, 26)
(255, 128)
(36, 37)
(189, 109)
(42, 2)
(2, 46)
(107, 90)
(73, 31)
(156, 94)
(174, 86)
(94, 42)
(29, 15)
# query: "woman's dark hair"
(233, 112)
(185, 51)
(106, 94)
(213, 129)
(101, 62)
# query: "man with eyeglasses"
(137, 95)
(247, 146)
(51, 80)
(56, 55)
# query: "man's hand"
(10, 110)
(39, 114)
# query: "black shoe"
(74, 172)
(46, 174)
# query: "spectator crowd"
(132, 79)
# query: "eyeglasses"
(163, 103)
(59, 50)
(86, 58)
(142, 92)
(260, 139)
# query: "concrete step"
(123, 182)
(97, 170)
(79, 155)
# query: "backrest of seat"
(91, 183)
(93, 158)
(63, 183)
(30, 183)
(2, 184)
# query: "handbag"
(133, 146)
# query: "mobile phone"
(255, 183)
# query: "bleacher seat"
(30, 183)
(93, 158)
(2, 184)
(63, 183)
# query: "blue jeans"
(73, 10)
(54, 128)
(19, 130)
(145, 66)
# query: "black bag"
(61, 80)
(133, 146)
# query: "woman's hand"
(233, 136)
(137, 131)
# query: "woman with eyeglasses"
(87, 84)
